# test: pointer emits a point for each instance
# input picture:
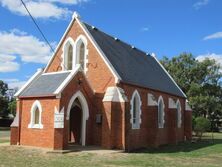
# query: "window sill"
(135, 127)
(35, 126)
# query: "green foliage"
(3, 88)
(193, 122)
(3, 106)
(12, 107)
(3, 98)
(201, 82)
(201, 125)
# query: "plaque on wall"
(59, 119)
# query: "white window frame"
(179, 114)
(79, 40)
(75, 58)
(36, 105)
(69, 41)
(162, 122)
(138, 121)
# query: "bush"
(201, 125)
(193, 122)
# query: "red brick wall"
(188, 125)
(38, 137)
(14, 136)
(118, 125)
(106, 125)
(98, 73)
(113, 125)
(149, 134)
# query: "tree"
(3, 106)
(3, 98)
(3, 88)
(201, 125)
(12, 107)
(201, 81)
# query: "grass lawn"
(201, 154)
(4, 135)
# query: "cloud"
(8, 64)
(144, 29)
(13, 83)
(216, 35)
(18, 32)
(17, 84)
(16, 43)
(69, 2)
(42, 8)
(200, 4)
(212, 56)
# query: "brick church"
(99, 90)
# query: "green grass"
(4, 135)
(201, 154)
(4, 141)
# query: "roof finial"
(76, 15)
(153, 55)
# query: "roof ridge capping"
(154, 56)
(116, 38)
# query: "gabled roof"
(133, 65)
(45, 85)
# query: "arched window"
(80, 54)
(36, 114)
(161, 112)
(135, 110)
(81, 44)
(179, 119)
(68, 50)
(69, 57)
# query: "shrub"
(201, 125)
(193, 122)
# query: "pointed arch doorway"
(77, 116)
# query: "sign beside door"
(59, 118)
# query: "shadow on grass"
(4, 128)
(187, 146)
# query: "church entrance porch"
(75, 123)
(77, 116)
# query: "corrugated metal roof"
(133, 65)
(45, 85)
